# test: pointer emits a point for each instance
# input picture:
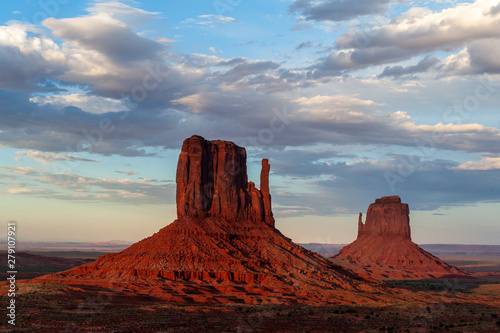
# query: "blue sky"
(350, 101)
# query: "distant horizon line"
(123, 242)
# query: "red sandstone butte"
(212, 182)
(223, 247)
(384, 249)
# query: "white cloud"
(478, 57)
(105, 35)
(89, 103)
(195, 102)
(210, 20)
(67, 186)
(26, 56)
(123, 12)
(22, 191)
(20, 170)
(335, 101)
(420, 31)
(51, 157)
(336, 108)
(128, 173)
(401, 119)
(485, 163)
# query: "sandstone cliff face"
(384, 250)
(212, 182)
(387, 217)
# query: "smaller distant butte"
(384, 249)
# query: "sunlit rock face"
(384, 249)
(212, 182)
(387, 217)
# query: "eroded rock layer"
(215, 260)
(223, 248)
(384, 250)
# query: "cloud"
(415, 32)
(336, 101)
(423, 65)
(158, 90)
(28, 59)
(304, 45)
(170, 96)
(286, 204)
(495, 9)
(67, 186)
(22, 191)
(20, 170)
(479, 57)
(26, 125)
(51, 157)
(210, 20)
(111, 189)
(105, 35)
(122, 12)
(92, 104)
(425, 184)
(337, 10)
(128, 173)
(486, 163)
(306, 163)
(352, 120)
(422, 29)
(104, 54)
(248, 68)
(98, 52)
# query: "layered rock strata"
(223, 247)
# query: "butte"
(384, 249)
(223, 247)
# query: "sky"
(349, 100)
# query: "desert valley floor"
(55, 307)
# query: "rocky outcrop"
(264, 188)
(387, 217)
(212, 182)
(384, 250)
(223, 247)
